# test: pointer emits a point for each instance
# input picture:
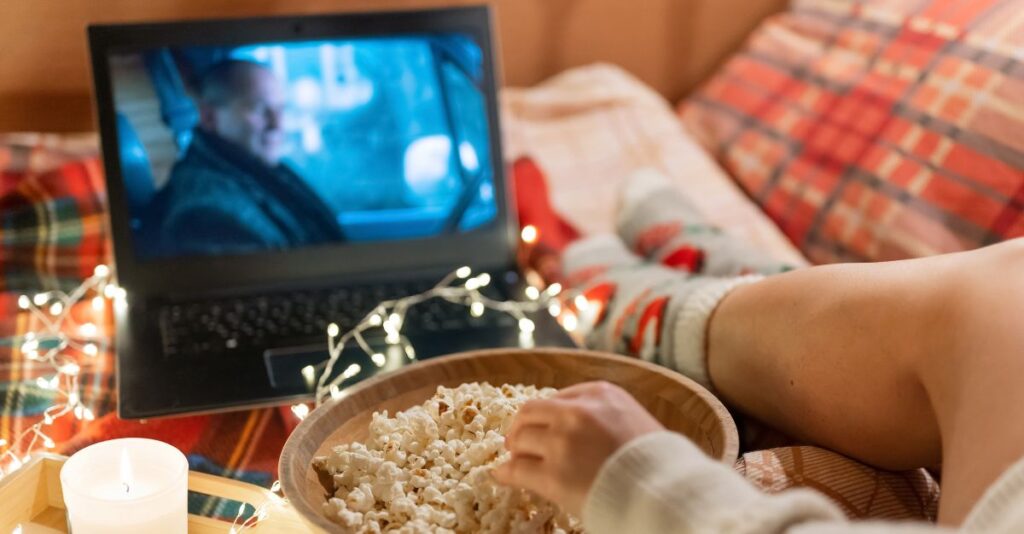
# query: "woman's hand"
(559, 444)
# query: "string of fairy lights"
(69, 347)
(459, 287)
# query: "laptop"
(268, 177)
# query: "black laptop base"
(153, 383)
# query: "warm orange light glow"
(529, 234)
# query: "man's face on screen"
(252, 117)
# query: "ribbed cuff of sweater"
(661, 482)
(691, 325)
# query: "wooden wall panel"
(670, 44)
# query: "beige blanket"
(590, 127)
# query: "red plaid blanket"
(53, 233)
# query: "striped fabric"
(877, 129)
(52, 235)
(861, 491)
(51, 211)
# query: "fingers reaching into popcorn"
(559, 444)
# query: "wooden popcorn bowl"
(679, 403)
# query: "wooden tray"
(32, 497)
(678, 402)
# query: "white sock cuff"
(690, 329)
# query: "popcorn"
(428, 469)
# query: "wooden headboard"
(671, 44)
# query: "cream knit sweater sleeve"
(662, 483)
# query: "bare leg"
(901, 364)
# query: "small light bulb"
(88, 329)
(555, 309)
(48, 443)
(90, 349)
(70, 368)
(14, 465)
(109, 291)
(121, 293)
(101, 270)
(47, 419)
(581, 302)
(24, 302)
(526, 340)
(300, 410)
(554, 289)
(526, 325)
(410, 352)
(378, 359)
(336, 392)
(308, 373)
(351, 370)
(472, 284)
(529, 234)
(463, 272)
(484, 279)
(3, 442)
(87, 414)
(532, 293)
(40, 299)
(476, 309)
(333, 330)
(43, 383)
(569, 322)
(375, 320)
(56, 308)
(97, 304)
(31, 345)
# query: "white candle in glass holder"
(126, 485)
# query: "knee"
(987, 299)
(995, 275)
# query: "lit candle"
(126, 485)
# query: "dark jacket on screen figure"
(222, 200)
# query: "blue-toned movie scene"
(271, 146)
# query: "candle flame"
(126, 471)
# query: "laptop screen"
(233, 150)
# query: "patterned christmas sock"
(659, 223)
(649, 311)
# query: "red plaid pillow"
(876, 130)
(52, 211)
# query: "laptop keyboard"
(296, 318)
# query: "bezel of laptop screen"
(489, 247)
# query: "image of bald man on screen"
(231, 192)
